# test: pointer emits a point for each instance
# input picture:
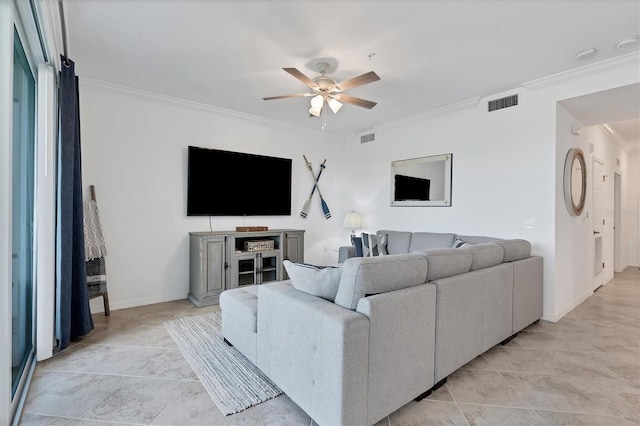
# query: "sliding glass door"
(22, 225)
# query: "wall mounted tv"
(227, 183)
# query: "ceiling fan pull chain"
(324, 116)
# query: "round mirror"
(575, 181)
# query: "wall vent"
(501, 103)
(368, 138)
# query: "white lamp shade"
(334, 105)
(352, 220)
(316, 105)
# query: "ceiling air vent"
(505, 102)
(368, 138)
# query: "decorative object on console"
(258, 245)
(353, 221)
(325, 207)
(251, 228)
(327, 91)
(305, 209)
(374, 245)
(321, 281)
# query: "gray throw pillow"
(458, 243)
(374, 245)
(321, 281)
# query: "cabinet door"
(246, 269)
(294, 247)
(215, 266)
(269, 263)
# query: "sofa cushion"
(515, 249)
(242, 304)
(397, 241)
(321, 281)
(484, 255)
(446, 262)
(364, 276)
(374, 244)
(475, 239)
(430, 240)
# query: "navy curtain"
(73, 316)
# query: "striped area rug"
(233, 382)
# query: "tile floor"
(585, 369)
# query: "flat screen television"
(227, 183)
(411, 188)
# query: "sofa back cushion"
(476, 239)
(430, 240)
(515, 249)
(321, 281)
(446, 262)
(397, 241)
(364, 276)
(484, 255)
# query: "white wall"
(505, 171)
(502, 174)
(575, 245)
(574, 235)
(631, 213)
(134, 150)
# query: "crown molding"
(423, 116)
(624, 61)
(127, 90)
(617, 139)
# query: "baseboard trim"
(97, 306)
(557, 316)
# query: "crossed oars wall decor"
(325, 207)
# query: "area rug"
(231, 380)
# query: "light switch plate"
(529, 224)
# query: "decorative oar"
(325, 207)
(305, 208)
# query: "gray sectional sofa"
(398, 326)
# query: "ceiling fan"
(327, 91)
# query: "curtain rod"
(63, 27)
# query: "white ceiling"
(619, 108)
(428, 54)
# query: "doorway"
(618, 262)
(598, 207)
(22, 228)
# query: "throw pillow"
(357, 243)
(457, 243)
(460, 244)
(321, 281)
(374, 245)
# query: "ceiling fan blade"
(296, 95)
(369, 77)
(354, 101)
(303, 78)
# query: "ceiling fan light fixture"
(317, 101)
(316, 105)
(334, 105)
